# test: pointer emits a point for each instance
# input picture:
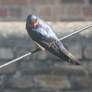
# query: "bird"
(45, 38)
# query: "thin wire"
(30, 53)
(14, 60)
(19, 58)
(76, 31)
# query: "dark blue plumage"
(44, 37)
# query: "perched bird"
(43, 35)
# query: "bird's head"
(32, 20)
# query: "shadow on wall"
(43, 71)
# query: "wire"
(19, 58)
(14, 60)
(76, 31)
(38, 49)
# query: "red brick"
(28, 11)
(87, 11)
(45, 11)
(15, 12)
(74, 11)
(58, 11)
(42, 2)
(72, 1)
(13, 2)
(72, 19)
(3, 12)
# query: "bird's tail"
(70, 58)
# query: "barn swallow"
(43, 35)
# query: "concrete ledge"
(59, 27)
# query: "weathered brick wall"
(62, 10)
(43, 72)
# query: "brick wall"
(43, 72)
(62, 10)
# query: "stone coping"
(61, 28)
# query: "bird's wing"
(57, 48)
(49, 41)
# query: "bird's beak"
(34, 23)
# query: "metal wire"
(14, 60)
(76, 31)
(30, 53)
(19, 58)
